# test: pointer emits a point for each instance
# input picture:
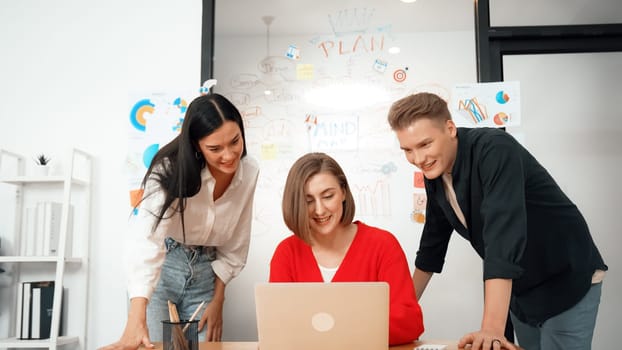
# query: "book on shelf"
(42, 229)
(29, 240)
(25, 314)
(51, 228)
(18, 323)
(34, 316)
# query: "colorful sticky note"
(419, 183)
(304, 71)
(293, 52)
(380, 65)
(418, 217)
(268, 151)
(419, 201)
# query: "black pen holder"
(182, 335)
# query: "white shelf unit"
(75, 182)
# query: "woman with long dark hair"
(191, 232)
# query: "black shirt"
(519, 221)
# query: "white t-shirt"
(328, 272)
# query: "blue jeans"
(571, 330)
(186, 279)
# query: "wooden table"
(451, 345)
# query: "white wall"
(65, 72)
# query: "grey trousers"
(571, 330)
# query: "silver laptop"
(323, 316)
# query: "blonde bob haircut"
(295, 213)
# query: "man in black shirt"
(540, 262)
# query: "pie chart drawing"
(502, 97)
(501, 118)
(137, 115)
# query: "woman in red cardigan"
(327, 246)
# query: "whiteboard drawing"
(486, 104)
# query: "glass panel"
(554, 12)
(571, 123)
(243, 17)
(320, 76)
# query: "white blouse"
(224, 224)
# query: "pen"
(194, 314)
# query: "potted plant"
(43, 164)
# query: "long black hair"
(179, 163)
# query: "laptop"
(322, 316)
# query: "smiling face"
(430, 145)
(223, 149)
(324, 197)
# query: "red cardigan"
(374, 255)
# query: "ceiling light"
(394, 50)
(408, 1)
(347, 96)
